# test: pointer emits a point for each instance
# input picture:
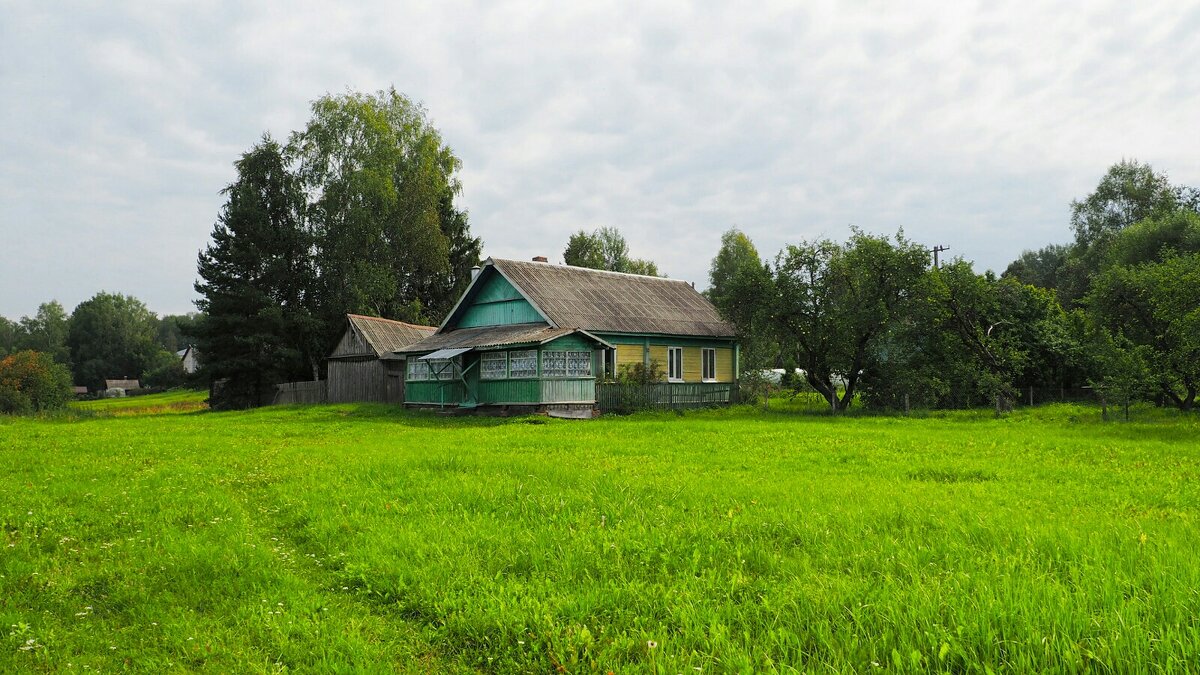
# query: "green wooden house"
(536, 336)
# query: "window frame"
(674, 354)
(411, 374)
(527, 353)
(548, 369)
(492, 356)
(581, 356)
(707, 375)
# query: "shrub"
(32, 381)
(641, 373)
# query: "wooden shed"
(365, 366)
(531, 335)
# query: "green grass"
(362, 538)
(175, 400)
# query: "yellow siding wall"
(628, 354)
(691, 364)
(725, 364)
(659, 353)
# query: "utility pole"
(936, 251)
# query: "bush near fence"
(619, 397)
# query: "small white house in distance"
(188, 358)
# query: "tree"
(605, 249)
(1043, 268)
(46, 332)
(256, 284)
(442, 291)
(835, 303)
(380, 185)
(1155, 306)
(31, 381)
(1129, 192)
(583, 250)
(742, 289)
(9, 332)
(177, 331)
(111, 335)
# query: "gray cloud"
(971, 125)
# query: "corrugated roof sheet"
(385, 335)
(601, 301)
(490, 336)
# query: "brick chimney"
(540, 258)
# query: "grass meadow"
(148, 535)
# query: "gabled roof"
(496, 336)
(601, 301)
(385, 336)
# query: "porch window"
(522, 363)
(493, 365)
(417, 370)
(442, 369)
(708, 363)
(675, 364)
(554, 364)
(579, 364)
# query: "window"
(610, 364)
(579, 364)
(708, 365)
(493, 365)
(417, 370)
(522, 364)
(554, 364)
(566, 364)
(675, 364)
(442, 369)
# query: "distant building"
(124, 385)
(189, 359)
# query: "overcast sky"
(971, 125)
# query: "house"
(535, 336)
(124, 385)
(189, 359)
(365, 365)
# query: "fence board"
(300, 392)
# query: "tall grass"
(359, 537)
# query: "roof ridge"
(380, 318)
(591, 269)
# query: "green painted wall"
(450, 393)
(497, 303)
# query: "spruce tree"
(256, 277)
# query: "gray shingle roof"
(385, 335)
(600, 301)
(490, 336)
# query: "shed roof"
(601, 301)
(385, 336)
(494, 336)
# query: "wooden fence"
(300, 392)
(613, 397)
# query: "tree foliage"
(381, 184)
(741, 287)
(33, 382)
(1155, 307)
(356, 214)
(605, 249)
(111, 336)
(257, 284)
(836, 302)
